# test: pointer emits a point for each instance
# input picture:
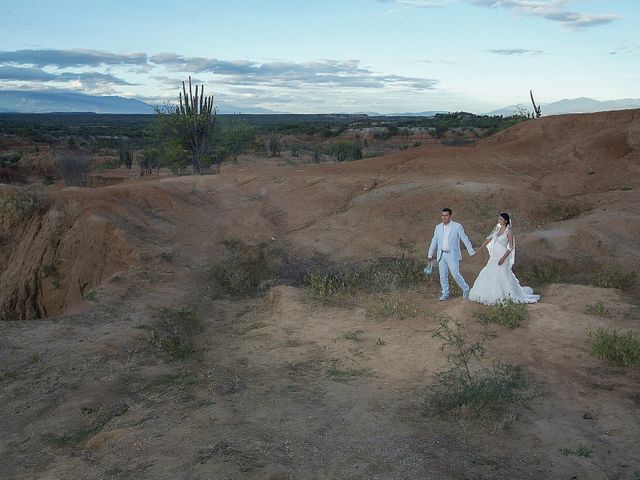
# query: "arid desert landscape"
(272, 321)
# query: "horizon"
(378, 56)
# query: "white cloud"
(554, 10)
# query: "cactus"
(536, 109)
(126, 153)
(197, 118)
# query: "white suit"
(449, 260)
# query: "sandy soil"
(285, 388)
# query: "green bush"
(393, 307)
(614, 276)
(379, 274)
(243, 270)
(548, 271)
(344, 150)
(597, 309)
(478, 391)
(507, 313)
(20, 206)
(492, 390)
(622, 348)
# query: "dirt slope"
(284, 388)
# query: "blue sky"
(309, 56)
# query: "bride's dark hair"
(505, 215)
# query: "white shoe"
(443, 298)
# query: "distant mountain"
(575, 105)
(231, 109)
(430, 113)
(24, 101)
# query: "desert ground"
(122, 357)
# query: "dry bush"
(73, 167)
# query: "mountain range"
(18, 101)
(23, 101)
(575, 105)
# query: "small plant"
(380, 342)
(178, 329)
(74, 167)
(613, 276)
(379, 274)
(166, 257)
(345, 375)
(598, 308)
(243, 270)
(549, 271)
(331, 286)
(394, 307)
(90, 296)
(21, 206)
(565, 211)
(581, 451)
(507, 313)
(622, 348)
(355, 336)
(461, 387)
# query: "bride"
(496, 281)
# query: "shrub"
(20, 206)
(613, 276)
(492, 390)
(597, 309)
(507, 313)
(74, 168)
(178, 329)
(394, 307)
(379, 274)
(622, 348)
(243, 270)
(479, 391)
(565, 210)
(344, 150)
(548, 271)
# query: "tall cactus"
(196, 120)
(125, 152)
(537, 109)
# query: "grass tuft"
(243, 271)
(391, 307)
(614, 276)
(178, 329)
(598, 308)
(552, 270)
(468, 390)
(621, 348)
(507, 313)
(382, 274)
(492, 390)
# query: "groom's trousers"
(449, 264)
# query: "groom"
(446, 239)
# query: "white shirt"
(445, 237)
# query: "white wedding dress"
(497, 283)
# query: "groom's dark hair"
(447, 210)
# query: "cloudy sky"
(312, 56)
